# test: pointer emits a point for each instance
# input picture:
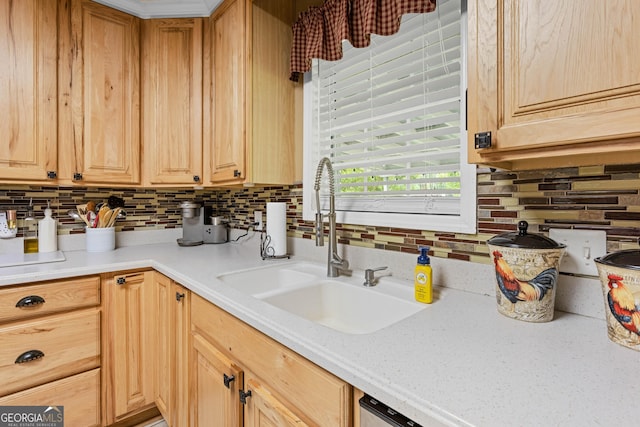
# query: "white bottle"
(47, 232)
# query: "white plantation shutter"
(390, 118)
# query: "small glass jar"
(30, 232)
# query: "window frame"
(465, 222)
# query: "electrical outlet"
(257, 218)
(583, 246)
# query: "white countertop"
(458, 361)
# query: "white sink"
(345, 307)
(343, 304)
(264, 281)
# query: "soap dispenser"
(422, 277)
(48, 232)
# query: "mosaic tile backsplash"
(596, 198)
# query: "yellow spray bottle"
(422, 277)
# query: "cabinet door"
(164, 344)
(181, 299)
(554, 82)
(102, 125)
(263, 409)
(170, 315)
(28, 129)
(215, 385)
(225, 59)
(273, 154)
(172, 100)
(129, 366)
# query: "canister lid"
(629, 258)
(524, 240)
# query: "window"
(391, 117)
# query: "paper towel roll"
(277, 228)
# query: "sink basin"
(345, 307)
(264, 281)
(343, 304)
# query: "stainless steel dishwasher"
(374, 413)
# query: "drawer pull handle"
(228, 379)
(30, 301)
(30, 356)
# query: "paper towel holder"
(265, 240)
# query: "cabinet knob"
(196, 178)
(30, 356)
(237, 173)
(121, 281)
(30, 301)
(52, 175)
(227, 380)
(179, 296)
(77, 176)
(244, 395)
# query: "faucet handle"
(369, 278)
(319, 229)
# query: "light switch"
(583, 246)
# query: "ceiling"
(163, 8)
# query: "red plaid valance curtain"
(319, 31)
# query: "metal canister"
(526, 267)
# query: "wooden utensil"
(102, 213)
(82, 212)
(114, 216)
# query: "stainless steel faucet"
(335, 263)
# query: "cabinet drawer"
(48, 297)
(78, 394)
(68, 343)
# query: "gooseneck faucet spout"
(334, 262)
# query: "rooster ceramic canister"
(620, 277)
(526, 267)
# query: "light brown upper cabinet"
(99, 95)
(172, 101)
(28, 128)
(248, 98)
(555, 83)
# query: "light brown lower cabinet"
(78, 394)
(241, 377)
(130, 345)
(128, 353)
(264, 409)
(170, 330)
(214, 378)
(50, 347)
